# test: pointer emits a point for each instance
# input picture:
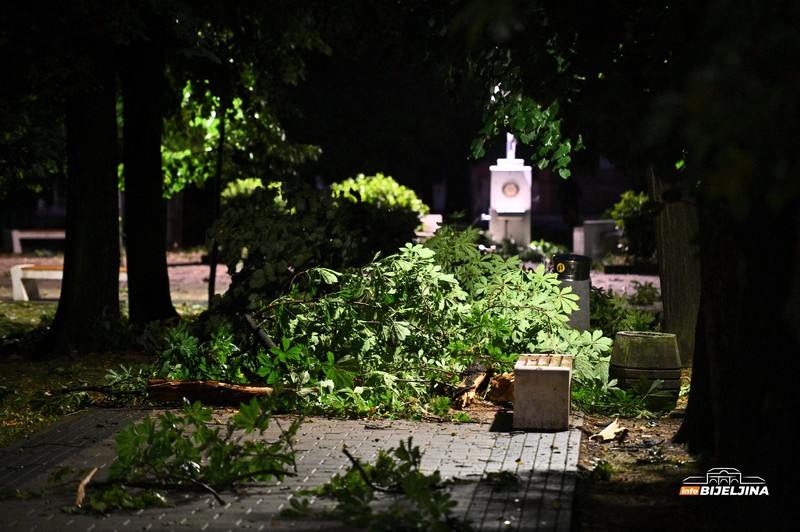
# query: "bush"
(611, 312)
(385, 212)
(381, 191)
(269, 234)
(635, 215)
(242, 187)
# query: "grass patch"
(25, 404)
(19, 319)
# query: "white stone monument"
(510, 198)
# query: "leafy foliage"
(395, 336)
(644, 400)
(635, 215)
(243, 187)
(270, 235)
(186, 357)
(511, 110)
(383, 335)
(381, 191)
(127, 379)
(543, 250)
(611, 312)
(391, 494)
(183, 451)
(646, 294)
(254, 140)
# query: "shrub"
(635, 216)
(611, 312)
(266, 236)
(269, 234)
(385, 212)
(382, 191)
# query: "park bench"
(18, 235)
(25, 276)
(542, 393)
(429, 224)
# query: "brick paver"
(545, 464)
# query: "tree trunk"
(90, 287)
(143, 89)
(750, 348)
(216, 190)
(678, 264)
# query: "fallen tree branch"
(209, 392)
(364, 474)
(261, 335)
(465, 394)
(107, 390)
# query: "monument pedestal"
(510, 201)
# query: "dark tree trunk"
(213, 255)
(90, 287)
(748, 354)
(678, 263)
(143, 92)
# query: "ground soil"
(645, 471)
(629, 483)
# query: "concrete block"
(24, 276)
(18, 235)
(542, 392)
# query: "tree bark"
(143, 92)
(209, 392)
(90, 287)
(216, 190)
(748, 352)
(678, 264)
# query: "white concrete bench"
(542, 392)
(25, 276)
(429, 224)
(18, 235)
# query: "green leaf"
(562, 150)
(329, 276)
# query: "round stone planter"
(646, 356)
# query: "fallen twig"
(107, 390)
(82, 487)
(364, 474)
(261, 335)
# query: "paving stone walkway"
(545, 463)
